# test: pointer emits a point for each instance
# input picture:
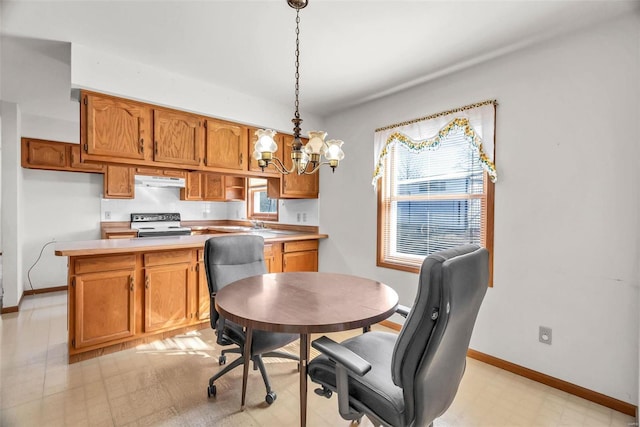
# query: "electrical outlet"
(204, 214)
(304, 217)
(298, 216)
(107, 214)
(544, 335)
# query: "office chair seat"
(377, 348)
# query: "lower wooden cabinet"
(117, 300)
(300, 256)
(168, 289)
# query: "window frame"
(251, 214)
(381, 261)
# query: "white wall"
(12, 203)
(566, 210)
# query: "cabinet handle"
(61, 157)
(142, 145)
(131, 283)
(146, 282)
(240, 158)
(155, 148)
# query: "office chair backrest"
(430, 353)
(231, 258)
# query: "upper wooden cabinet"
(177, 137)
(292, 186)
(226, 145)
(118, 182)
(114, 128)
(54, 155)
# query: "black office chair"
(227, 259)
(411, 378)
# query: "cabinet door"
(226, 145)
(104, 307)
(177, 137)
(78, 165)
(294, 185)
(204, 299)
(213, 187)
(300, 261)
(167, 302)
(44, 154)
(115, 128)
(118, 182)
(193, 187)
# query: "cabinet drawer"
(105, 263)
(171, 257)
(303, 245)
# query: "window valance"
(475, 121)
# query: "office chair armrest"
(403, 310)
(342, 355)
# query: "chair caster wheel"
(211, 391)
(222, 360)
(270, 398)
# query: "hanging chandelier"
(305, 159)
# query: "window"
(259, 206)
(433, 194)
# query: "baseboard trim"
(576, 390)
(16, 308)
(12, 309)
(44, 290)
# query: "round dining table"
(303, 303)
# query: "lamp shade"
(265, 142)
(316, 144)
(334, 150)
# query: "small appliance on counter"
(158, 224)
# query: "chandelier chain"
(297, 104)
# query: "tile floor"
(164, 384)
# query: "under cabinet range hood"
(159, 181)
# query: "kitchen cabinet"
(118, 182)
(54, 155)
(160, 172)
(44, 154)
(300, 256)
(212, 187)
(193, 187)
(121, 234)
(204, 298)
(292, 186)
(78, 165)
(177, 137)
(168, 290)
(226, 145)
(114, 129)
(102, 298)
(202, 186)
(273, 257)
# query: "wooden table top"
(306, 302)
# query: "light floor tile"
(164, 384)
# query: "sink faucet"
(257, 224)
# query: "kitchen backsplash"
(154, 199)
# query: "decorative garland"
(458, 124)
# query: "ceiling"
(351, 51)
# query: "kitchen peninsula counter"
(114, 246)
(127, 292)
